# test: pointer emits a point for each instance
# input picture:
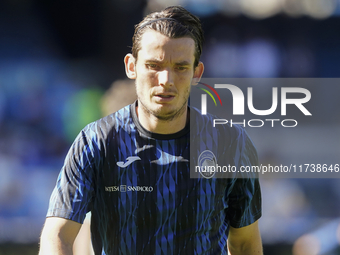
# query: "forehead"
(156, 45)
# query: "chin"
(161, 114)
(168, 115)
(165, 112)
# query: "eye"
(151, 66)
(181, 68)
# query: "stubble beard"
(170, 116)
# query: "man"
(131, 168)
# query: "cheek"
(146, 78)
(143, 87)
(187, 77)
(186, 83)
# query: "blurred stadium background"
(61, 65)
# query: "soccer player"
(131, 168)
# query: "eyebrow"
(181, 63)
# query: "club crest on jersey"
(207, 164)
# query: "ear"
(199, 69)
(130, 66)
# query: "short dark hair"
(174, 22)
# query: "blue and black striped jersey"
(138, 188)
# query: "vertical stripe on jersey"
(166, 192)
(127, 200)
(210, 207)
(205, 207)
(146, 213)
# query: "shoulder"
(225, 134)
(212, 124)
(94, 139)
(110, 123)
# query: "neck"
(156, 125)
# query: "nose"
(165, 77)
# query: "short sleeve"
(245, 194)
(73, 193)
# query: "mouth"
(165, 97)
